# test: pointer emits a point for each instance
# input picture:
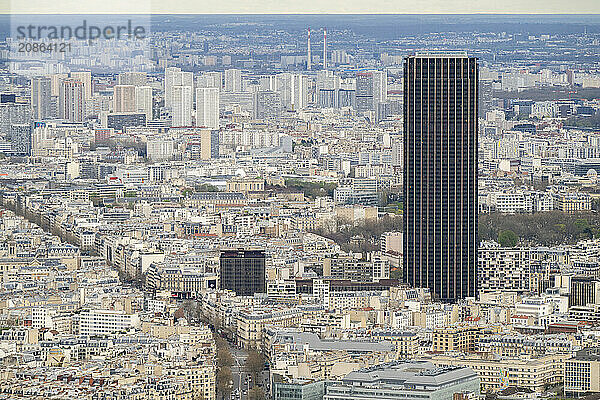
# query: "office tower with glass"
(440, 173)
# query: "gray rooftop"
(315, 343)
(409, 374)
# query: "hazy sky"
(301, 6)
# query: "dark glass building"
(440, 173)
(243, 271)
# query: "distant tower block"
(324, 48)
(308, 56)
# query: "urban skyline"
(300, 207)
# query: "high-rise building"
(440, 173)
(371, 90)
(233, 80)
(41, 97)
(299, 92)
(55, 80)
(243, 271)
(364, 91)
(170, 79)
(124, 98)
(267, 105)
(71, 100)
(379, 87)
(212, 79)
(327, 87)
(182, 106)
(13, 114)
(20, 139)
(85, 77)
(176, 77)
(209, 144)
(207, 107)
(293, 90)
(143, 101)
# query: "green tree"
(224, 382)
(255, 363)
(224, 357)
(583, 228)
(543, 228)
(507, 238)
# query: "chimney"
(325, 48)
(308, 56)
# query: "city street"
(239, 376)
(241, 379)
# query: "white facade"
(182, 105)
(233, 80)
(159, 149)
(175, 77)
(143, 101)
(124, 99)
(105, 322)
(207, 107)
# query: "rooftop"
(409, 374)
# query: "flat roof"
(410, 374)
(441, 54)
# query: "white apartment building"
(207, 107)
(105, 322)
(182, 105)
(159, 149)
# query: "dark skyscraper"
(243, 271)
(440, 173)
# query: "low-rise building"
(417, 379)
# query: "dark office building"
(440, 173)
(121, 121)
(8, 98)
(584, 290)
(243, 271)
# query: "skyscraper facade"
(176, 77)
(212, 79)
(440, 173)
(243, 271)
(182, 106)
(41, 97)
(371, 90)
(20, 139)
(85, 77)
(124, 98)
(233, 80)
(207, 107)
(71, 100)
(144, 101)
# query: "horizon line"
(484, 13)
